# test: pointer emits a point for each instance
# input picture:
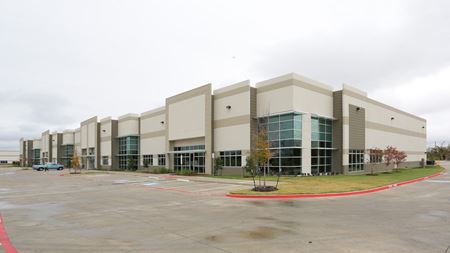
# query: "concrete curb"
(340, 194)
(4, 239)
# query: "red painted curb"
(4, 239)
(340, 194)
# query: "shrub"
(161, 170)
(185, 172)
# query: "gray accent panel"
(209, 118)
(97, 148)
(238, 120)
(374, 102)
(59, 140)
(357, 127)
(337, 133)
(231, 92)
(115, 144)
(253, 116)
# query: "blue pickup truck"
(48, 166)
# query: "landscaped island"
(342, 183)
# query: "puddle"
(7, 173)
(124, 181)
(44, 211)
(6, 205)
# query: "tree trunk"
(264, 176)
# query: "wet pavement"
(127, 212)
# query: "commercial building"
(311, 129)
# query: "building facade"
(10, 156)
(311, 129)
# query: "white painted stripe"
(438, 181)
(182, 180)
(218, 188)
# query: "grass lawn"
(342, 183)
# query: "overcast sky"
(62, 62)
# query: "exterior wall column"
(306, 143)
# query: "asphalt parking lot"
(125, 212)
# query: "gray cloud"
(62, 62)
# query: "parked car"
(48, 166)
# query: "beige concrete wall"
(77, 141)
(153, 121)
(88, 131)
(68, 137)
(46, 147)
(274, 101)
(232, 138)
(55, 147)
(293, 92)
(187, 118)
(45, 142)
(319, 103)
(106, 138)
(232, 125)
(405, 131)
(153, 134)
(37, 143)
(128, 125)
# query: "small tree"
(389, 154)
(375, 157)
(145, 163)
(218, 165)
(263, 153)
(399, 157)
(75, 162)
(251, 167)
(131, 164)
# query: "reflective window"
(321, 145)
(105, 160)
(356, 160)
(231, 158)
(162, 159)
(284, 132)
(128, 152)
(147, 160)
